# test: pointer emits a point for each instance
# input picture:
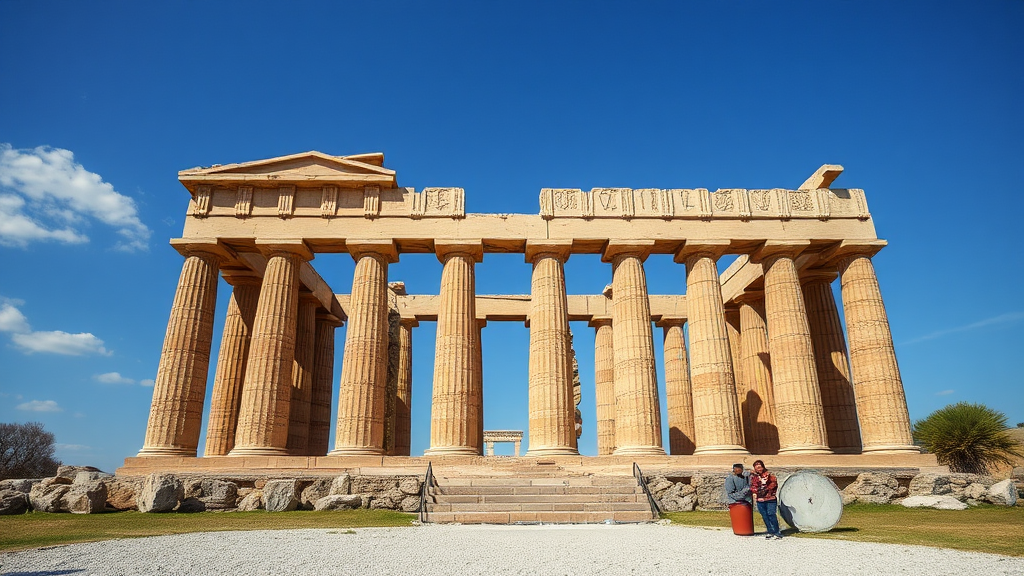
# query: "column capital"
(209, 246)
(669, 321)
(779, 248)
(384, 248)
(710, 248)
(241, 277)
(560, 249)
(409, 321)
(280, 246)
(446, 247)
(848, 248)
(307, 296)
(620, 248)
(329, 319)
(598, 321)
(818, 275)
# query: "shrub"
(26, 451)
(966, 437)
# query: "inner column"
(403, 405)
(604, 384)
(757, 371)
(678, 392)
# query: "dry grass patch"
(41, 529)
(993, 529)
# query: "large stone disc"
(810, 502)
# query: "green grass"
(39, 529)
(985, 528)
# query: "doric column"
(678, 393)
(477, 396)
(637, 410)
(364, 367)
(454, 428)
(323, 385)
(266, 394)
(403, 404)
(604, 385)
(176, 413)
(552, 414)
(302, 375)
(759, 403)
(837, 398)
(716, 414)
(234, 354)
(798, 411)
(732, 328)
(881, 403)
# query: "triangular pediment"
(361, 169)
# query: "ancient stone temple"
(756, 358)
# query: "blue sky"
(102, 103)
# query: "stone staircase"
(537, 498)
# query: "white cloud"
(1001, 319)
(11, 319)
(40, 406)
(112, 378)
(147, 383)
(944, 392)
(72, 447)
(46, 195)
(59, 342)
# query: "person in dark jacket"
(764, 486)
(737, 486)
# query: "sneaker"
(777, 536)
(768, 537)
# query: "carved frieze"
(286, 201)
(371, 201)
(201, 205)
(243, 202)
(329, 201)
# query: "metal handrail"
(643, 484)
(428, 483)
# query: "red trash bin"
(742, 516)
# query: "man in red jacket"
(763, 485)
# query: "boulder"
(23, 485)
(940, 502)
(929, 484)
(340, 502)
(410, 504)
(320, 488)
(218, 494)
(975, 491)
(341, 485)
(1002, 493)
(281, 495)
(86, 497)
(56, 481)
(410, 485)
(659, 484)
(193, 487)
(88, 476)
(49, 497)
(13, 502)
(872, 488)
(160, 493)
(191, 505)
(121, 493)
(710, 491)
(251, 501)
(70, 472)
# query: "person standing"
(764, 487)
(737, 496)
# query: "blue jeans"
(767, 512)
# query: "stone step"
(536, 498)
(543, 507)
(539, 516)
(536, 490)
(573, 481)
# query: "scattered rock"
(13, 502)
(55, 481)
(88, 476)
(341, 485)
(160, 493)
(975, 491)
(364, 500)
(218, 494)
(710, 490)
(320, 488)
(410, 485)
(939, 502)
(930, 485)
(193, 487)
(23, 485)
(86, 497)
(658, 484)
(410, 504)
(340, 502)
(281, 495)
(121, 493)
(70, 472)
(49, 497)
(872, 488)
(191, 505)
(251, 501)
(1002, 493)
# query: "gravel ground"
(461, 550)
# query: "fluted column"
(403, 405)
(234, 354)
(552, 412)
(302, 375)
(881, 403)
(637, 410)
(678, 393)
(176, 413)
(837, 399)
(364, 367)
(716, 414)
(798, 410)
(477, 396)
(759, 403)
(732, 328)
(604, 385)
(323, 385)
(266, 394)
(454, 428)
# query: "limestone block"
(251, 501)
(710, 490)
(319, 488)
(70, 472)
(23, 485)
(193, 487)
(410, 485)
(13, 502)
(87, 476)
(121, 493)
(1002, 493)
(388, 500)
(160, 493)
(46, 497)
(281, 495)
(373, 484)
(55, 481)
(937, 502)
(191, 506)
(410, 504)
(341, 485)
(929, 484)
(678, 497)
(86, 497)
(658, 485)
(339, 502)
(872, 488)
(975, 491)
(218, 494)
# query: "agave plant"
(967, 437)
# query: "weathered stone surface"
(320, 488)
(251, 501)
(710, 491)
(679, 498)
(281, 495)
(23, 485)
(191, 505)
(938, 502)
(410, 485)
(70, 472)
(122, 493)
(975, 491)
(872, 488)
(373, 484)
(49, 497)
(388, 500)
(55, 481)
(930, 485)
(339, 502)
(341, 485)
(218, 494)
(88, 476)
(86, 497)
(13, 502)
(658, 484)
(160, 493)
(410, 504)
(1002, 493)
(959, 486)
(193, 487)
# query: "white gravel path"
(651, 550)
